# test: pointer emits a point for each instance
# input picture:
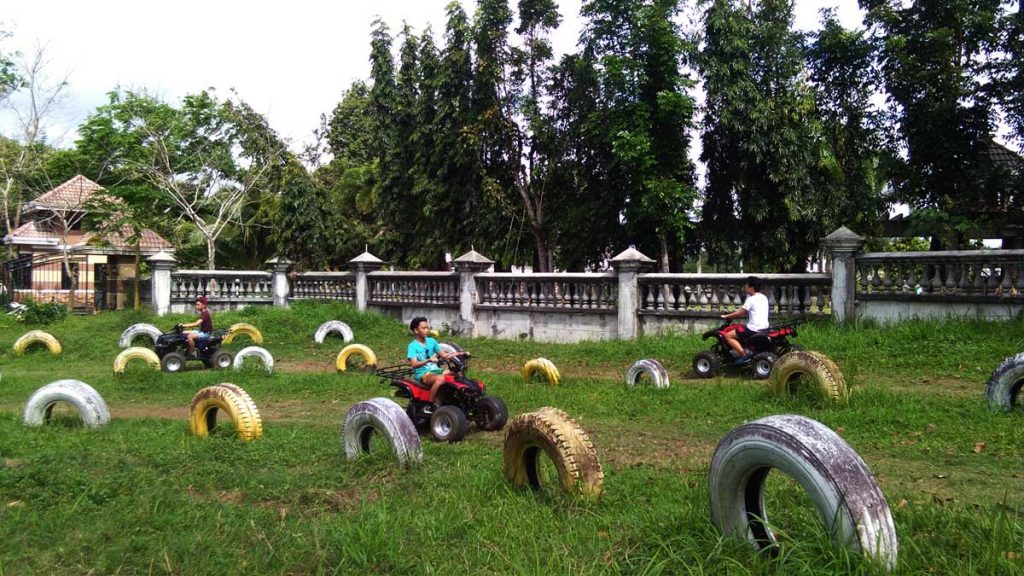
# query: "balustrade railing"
(234, 286)
(433, 288)
(713, 294)
(565, 291)
(323, 286)
(959, 276)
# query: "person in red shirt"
(205, 325)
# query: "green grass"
(142, 496)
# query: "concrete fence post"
(468, 266)
(363, 265)
(279, 283)
(627, 265)
(162, 264)
(843, 246)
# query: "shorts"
(201, 336)
(434, 370)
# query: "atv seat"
(399, 373)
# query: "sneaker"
(744, 360)
(735, 354)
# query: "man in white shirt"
(755, 308)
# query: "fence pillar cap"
(366, 261)
(472, 260)
(630, 258)
(843, 240)
(162, 258)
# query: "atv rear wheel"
(762, 365)
(491, 413)
(448, 424)
(706, 364)
(172, 362)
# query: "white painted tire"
(135, 330)
(848, 500)
(135, 353)
(1005, 384)
(83, 398)
(657, 372)
(257, 351)
(385, 417)
(333, 326)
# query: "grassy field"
(143, 496)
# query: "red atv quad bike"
(767, 345)
(459, 401)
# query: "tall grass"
(143, 496)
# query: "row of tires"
(174, 362)
(843, 490)
(241, 328)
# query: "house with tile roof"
(100, 264)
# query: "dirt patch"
(145, 411)
(640, 447)
(304, 366)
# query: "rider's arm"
(738, 313)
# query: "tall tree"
(760, 141)
(933, 61)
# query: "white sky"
(289, 60)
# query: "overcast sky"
(290, 60)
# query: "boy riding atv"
(755, 309)
(177, 347)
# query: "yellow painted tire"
(36, 337)
(542, 366)
(553, 432)
(243, 328)
(135, 353)
(812, 368)
(234, 402)
(370, 359)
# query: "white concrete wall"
(560, 327)
(887, 311)
(658, 325)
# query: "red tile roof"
(69, 195)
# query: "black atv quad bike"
(459, 401)
(172, 348)
(767, 345)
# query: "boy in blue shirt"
(423, 354)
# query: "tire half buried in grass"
(813, 369)
(384, 418)
(551, 432)
(234, 401)
(848, 500)
(135, 353)
(86, 401)
(364, 352)
(1005, 384)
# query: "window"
(65, 278)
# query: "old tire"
(333, 326)
(823, 374)
(762, 364)
(172, 362)
(135, 353)
(706, 364)
(448, 424)
(36, 337)
(553, 432)
(256, 351)
(234, 402)
(491, 413)
(369, 358)
(86, 401)
(135, 330)
(385, 417)
(1005, 384)
(845, 494)
(544, 367)
(651, 367)
(244, 328)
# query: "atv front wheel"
(222, 359)
(448, 424)
(172, 362)
(706, 364)
(762, 364)
(491, 413)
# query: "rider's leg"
(732, 339)
(192, 343)
(435, 381)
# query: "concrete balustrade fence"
(627, 301)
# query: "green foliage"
(42, 313)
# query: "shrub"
(45, 313)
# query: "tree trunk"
(138, 278)
(540, 246)
(211, 253)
